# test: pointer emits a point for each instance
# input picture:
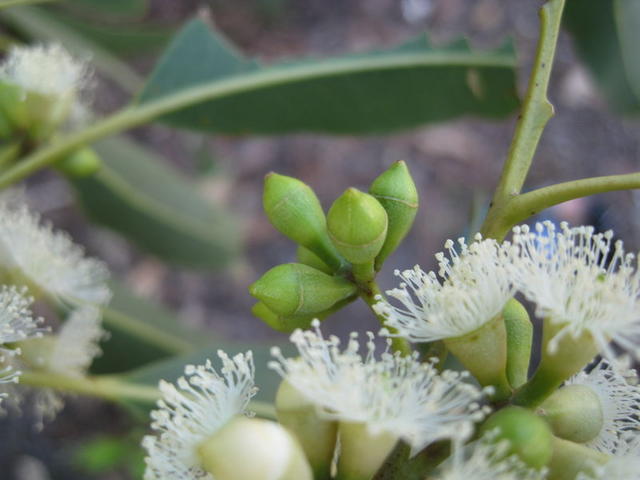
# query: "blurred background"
(455, 165)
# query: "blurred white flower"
(17, 323)
(45, 69)
(69, 352)
(486, 459)
(188, 415)
(31, 251)
(620, 401)
(475, 287)
(393, 394)
(623, 465)
(580, 282)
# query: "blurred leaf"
(142, 332)
(107, 453)
(112, 7)
(37, 24)
(266, 379)
(379, 91)
(606, 34)
(122, 37)
(137, 195)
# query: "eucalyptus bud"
(357, 225)
(307, 257)
(397, 193)
(362, 453)
(294, 209)
(574, 413)
(288, 323)
(293, 289)
(569, 459)
(81, 163)
(564, 358)
(256, 449)
(519, 342)
(529, 436)
(316, 435)
(484, 353)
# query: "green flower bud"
(316, 435)
(519, 341)
(484, 353)
(287, 324)
(13, 106)
(529, 436)
(362, 453)
(294, 209)
(569, 356)
(81, 163)
(357, 225)
(256, 449)
(574, 413)
(569, 459)
(293, 289)
(307, 257)
(397, 193)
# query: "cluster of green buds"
(41, 95)
(339, 253)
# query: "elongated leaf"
(266, 379)
(142, 332)
(379, 91)
(136, 194)
(607, 41)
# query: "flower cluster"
(350, 406)
(47, 264)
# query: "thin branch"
(528, 204)
(536, 112)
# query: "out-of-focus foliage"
(379, 91)
(136, 194)
(606, 35)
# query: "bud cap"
(357, 225)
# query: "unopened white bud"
(254, 448)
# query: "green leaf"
(142, 332)
(112, 7)
(136, 194)
(606, 34)
(379, 91)
(266, 379)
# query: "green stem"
(369, 294)
(139, 114)
(523, 206)
(113, 389)
(536, 112)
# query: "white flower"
(45, 69)
(395, 394)
(16, 324)
(581, 283)
(70, 353)
(202, 404)
(486, 459)
(474, 289)
(620, 401)
(624, 465)
(78, 343)
(48, 259)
